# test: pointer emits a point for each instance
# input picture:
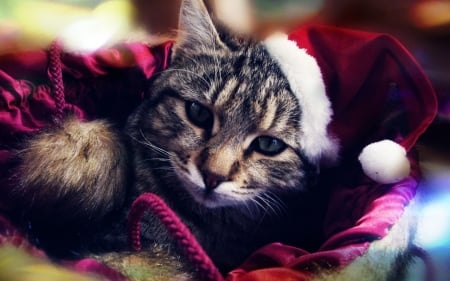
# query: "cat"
(218, 138)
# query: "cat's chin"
(221, 196)
(211, 201)
(226, 194)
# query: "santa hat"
(362, 97)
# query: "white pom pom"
(385, 161)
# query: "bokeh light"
(80, 25)
(434, 215)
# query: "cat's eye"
(268, 145)
(199, 115)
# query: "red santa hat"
(362, 96)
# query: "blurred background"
(423, 26)
(85, 25)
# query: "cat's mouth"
(227, 193)
(223, 195)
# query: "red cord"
(56, 80)
(176, 228)
(147, 201)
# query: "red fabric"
(91, 81)
(107, 84)
(269, 274)
(369, 77)
(350, 240)
(377, 91)
(376, 88)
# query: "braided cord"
(56, 80)
(147, 201)
(177, 230)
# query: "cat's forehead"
(243, 87)
(212, 75)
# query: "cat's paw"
(76, 171)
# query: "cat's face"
(223, 122)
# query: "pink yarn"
(176, 228)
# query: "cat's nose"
(212, 180)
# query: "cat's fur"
(248, 97)
(234, 196)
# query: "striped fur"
(248, 96)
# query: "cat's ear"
(196, 29)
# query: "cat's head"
(222, 120)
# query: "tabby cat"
(219, 139)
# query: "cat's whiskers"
(152, 146)
(255, 199)
(167, 169)
(255, 210)
(262, 209)
(270, 197)
(267, 202)
(275, 202)
(247, 206)
(157, 159)
(259, 204)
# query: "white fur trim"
(305, 79)
(385, 161)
